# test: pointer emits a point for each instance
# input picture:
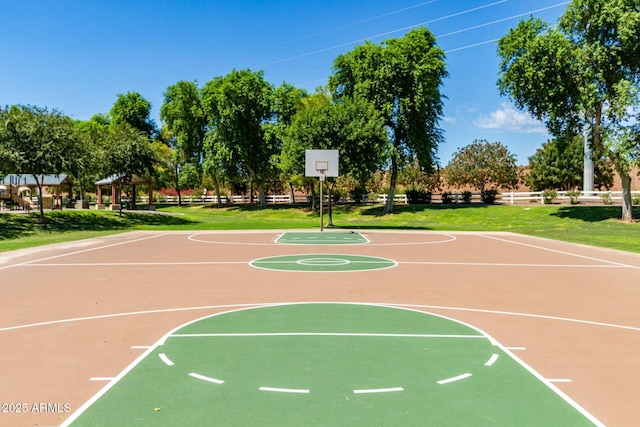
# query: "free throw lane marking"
(165, 359)
(205, 378)
(378, 390)
(453, 379)
(491, 360)
(284, 390)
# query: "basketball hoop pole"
(321, 200)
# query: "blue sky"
(78, 55)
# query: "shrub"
(358, 194)
(573, 196)
(636, 200)
(606, 198)
(489, 196)
(548, 196)
(466, 197)
(446, 198)
(418, 197)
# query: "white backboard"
(316, 160)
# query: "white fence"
(271, 198)
(606, 197)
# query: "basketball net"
(321, 174)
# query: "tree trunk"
(293, 193)
(627, 206)
(217, 186)
(392, 186)
(262, 199)
(330, 210)
(177, 175)
(313, 196)
(40, 204)
(119, 198)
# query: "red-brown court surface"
(74, 315)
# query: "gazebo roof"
(29, 180)
(120, 178)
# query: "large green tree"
(133, 109)
(128, 152)
(237, 107)
(37, 142)
(559, 164)
(351, 126)
(288, 100)
(483, 165)
(581, 75)
(87, 168)
(185, 120)
(402, 77)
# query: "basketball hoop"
(321, 164)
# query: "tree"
(287, 101)
(482, 165)
(128, 152)
(237, 106)
(88, 158)
(133, 109)
(185, 119)
(402, 78)
(558, 165)
(37, 142)
(581, 75)
(352, 126)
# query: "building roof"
(29, 180)
(135, 180)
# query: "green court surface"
(328, 364)
(321, 238)
(323, 263)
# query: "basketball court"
(295, 328)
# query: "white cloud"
(510, 119)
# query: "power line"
(353, 24)
(447, 34)
(381, 34)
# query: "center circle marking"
(323, 263)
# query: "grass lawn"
(592, 225)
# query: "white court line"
(173, 263)
(505, 264)
(125, 264)
(367, 241)
(323, 334)
(378, 390)
(559, 380)
(204, 378)
(516, 348)
(165, 359)
(82, 251)
(453, 379)
(162, 340)
(284, 390)
(101, 378)
(209, 307)
(492, 360)
(513, 313)
(558, 251)
(130, 313)
(140, 347)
